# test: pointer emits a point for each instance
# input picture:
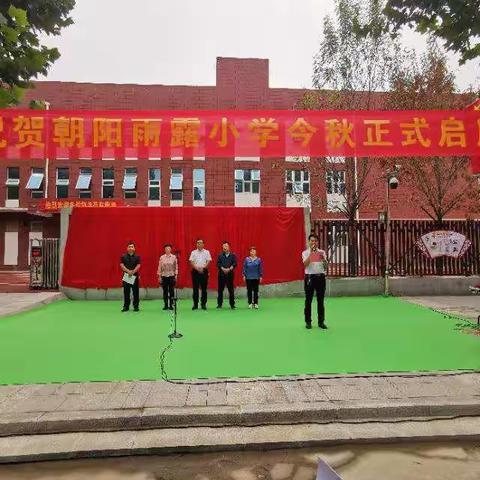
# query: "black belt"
(314, 274)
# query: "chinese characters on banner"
(220, 134)
(57, 205)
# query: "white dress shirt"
(314, 268)
(199, 258)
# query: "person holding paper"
(130, 265)
(315, 263)
(199, 259)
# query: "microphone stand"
(175, 334)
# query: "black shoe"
(195, 307)
(136, 309)
(170, 307)
(322, 325)
(308, 326)
(204, 307)
(232, 307)
(165, 308)
(125, 309)
(219, 306)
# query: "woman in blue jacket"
(252, 275)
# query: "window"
(13, 183)
(247, 181)
(62, 182)
(336, 159)
(176, 185)
(199, 187)
(154, 185)
(335, 182)
(108, 183)
(83, 183)
(130, 183)
(35, 182)
(297, 182)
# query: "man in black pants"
(199, 260)
(226, 263)
(315, 263)
(130, 265)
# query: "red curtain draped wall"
(98, 237)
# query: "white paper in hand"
(129, 279)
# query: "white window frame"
(130, 175)
(108, 182)
(254, 177)
(84, 192)
(298, 186)
(176, 173)
(295, 189)
(155, 184)
(335, 179)
(12, 182)
(199, 184)
(37, 173)
(335, 159)
(297, 159)
(248, 198)
(62, 182)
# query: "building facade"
(241, 181)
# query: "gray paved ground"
(11, 303)
(466, 306)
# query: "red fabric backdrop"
(98, 237)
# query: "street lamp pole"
(47, 107)
(392, 183)
(387, 243)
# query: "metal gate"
(44, 263)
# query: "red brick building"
(240, 84)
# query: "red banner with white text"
(223, 134)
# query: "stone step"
(28, 448)
(98, 420)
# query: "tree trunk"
(352, 248)
(439, 261)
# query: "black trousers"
(314, 284)
(199, 282)
(252, 291)
(126, 294)
(225, 280)
(168, 285)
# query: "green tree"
(440, 185)
(350, 71)
(22, 56)
(352, 64)
(455, 22)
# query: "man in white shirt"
(199, 260)
(315, 263)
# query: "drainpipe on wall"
(47, 107)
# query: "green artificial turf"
(92, 341)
